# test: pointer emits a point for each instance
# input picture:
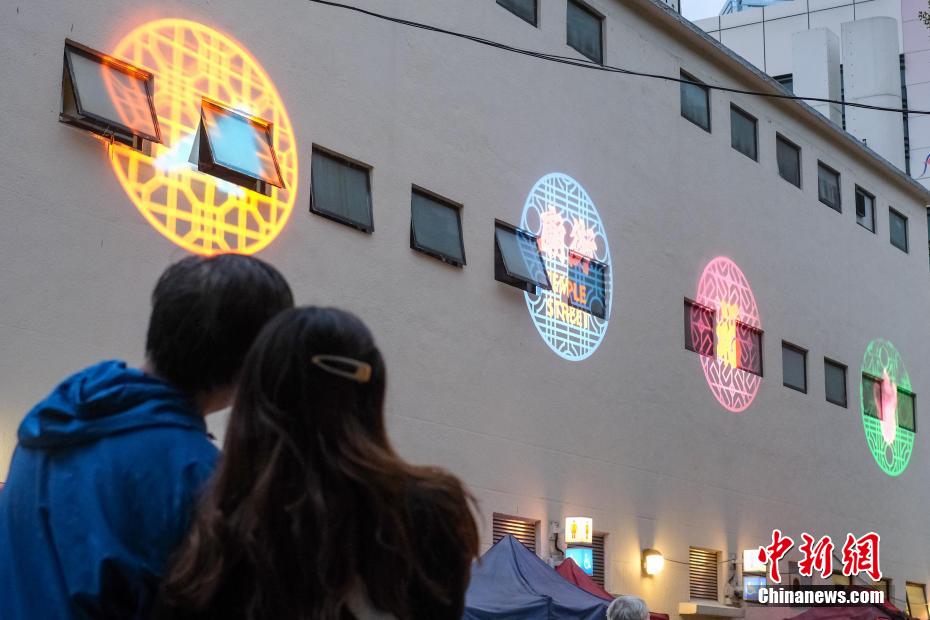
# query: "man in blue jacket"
(109, 466)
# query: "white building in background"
(865, 51)
(398, 146)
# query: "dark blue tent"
(510, 583)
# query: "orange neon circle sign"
(199, 212)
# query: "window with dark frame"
(744, 135)
(703, 573)
(701, 337)
(786, 80)
(517, 259)
(340, 189)
(794, 367)
(699, 329)
(236, 147)
(695, 101)
(524, 9)
(828, 186)
(788, 155)
(585, 31)
(834, 378)
(865, 209)
(523, 529)
(917, 601)
(905, 415)
(592, 275)
(436, 227)
(897, 229)
(750, 348)
(108, 97)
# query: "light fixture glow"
(725, 290)
(559, 211)
(653, 562)
(195, 210)
(579, 530)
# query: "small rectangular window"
(517, 260)
(875, 396)
(744, 133)
(585, 31)
(695, 101)
(834, 377)
(703, 570)
(828, 186)
(865, 209)
(524, 9)
(794, 367)
(520, 528)
(236, 147)
(436, 227)
(107, 97)
(906, 414)
(897, 226)
(871, 396)
(917, 601)
(750, 348)
(786, 80)
(586, 288)
(699, 329)
(341, 190)
(789, 160)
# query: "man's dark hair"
(205, 314)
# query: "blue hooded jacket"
(99, 494)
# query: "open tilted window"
(108, 97)
(517, 260)
(587, 279)
(237, 148)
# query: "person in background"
(108, 466)
(312, 513)
(627, 608)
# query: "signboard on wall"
(572, 318)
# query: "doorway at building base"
(196, 211)
(560, 212)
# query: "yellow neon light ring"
(198, 212)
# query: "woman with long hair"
(312, 514)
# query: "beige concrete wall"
(632, 436)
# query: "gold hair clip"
(353, 370)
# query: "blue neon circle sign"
(561, 213)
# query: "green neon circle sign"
(886, 403)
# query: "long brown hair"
(311, 503)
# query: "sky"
(698, 9)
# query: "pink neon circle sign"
(725, 291)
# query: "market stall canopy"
(510, 583)
(570, 571)
(864, 612)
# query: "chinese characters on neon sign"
(572, 318)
